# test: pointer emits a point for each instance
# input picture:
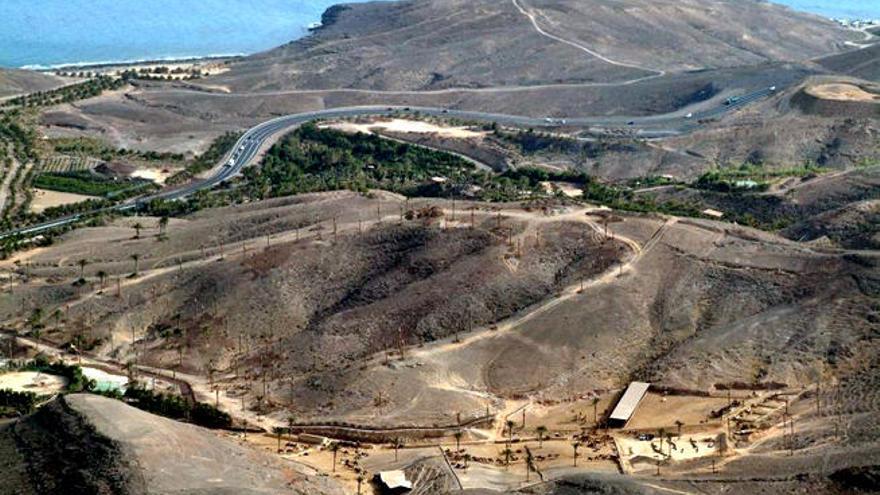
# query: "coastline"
(80, 66)
(303, 27)
(328, 18)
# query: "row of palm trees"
(138, 227)
(102, 275)
(163, 228)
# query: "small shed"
(712, 213)
(627, 404)
(393, 482)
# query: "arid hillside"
(432, 44)
(367, 315)
(14, 82)
(91, 444)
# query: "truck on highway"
(731, 100)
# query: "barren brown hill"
(14, 82)
(91, 444)
(425, 323)
(434, 44)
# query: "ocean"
(47, 33)
(847, 9)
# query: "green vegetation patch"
(91, 147)
(172, 406)
(14, 403)
(312, 159)
(83, 182)
(67, 94)
(751, 177)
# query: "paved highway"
(248, 146)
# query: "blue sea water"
(43, 33)
(847, 9)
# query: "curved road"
(248, 146)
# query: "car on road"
(731, 100)
(772, 88)
(690, 115)
(631, 122)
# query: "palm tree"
(661, 433)
(507, 453)
(509, 423)
(360, 479)
(278, 430)
(291, 420)
(163, 225)
(679, 424)
(82, 268)
(102, 276)
(542, 430)
(136, 258)
(458, 434)
(595, 410)
(334, 448)
(137, 229)
(575, 446)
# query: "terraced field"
(67, 164)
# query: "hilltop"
(434, 44)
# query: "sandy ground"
(44, 199)
(658, 411)
(211, 68)
(408, 126)
(158, 176)
(32, 381)
(842, 92)
(683, 448)
(488, 472)
(320, 458)
(566, 189)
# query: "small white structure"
(712, 213)
(394, 482)
(628, 403)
